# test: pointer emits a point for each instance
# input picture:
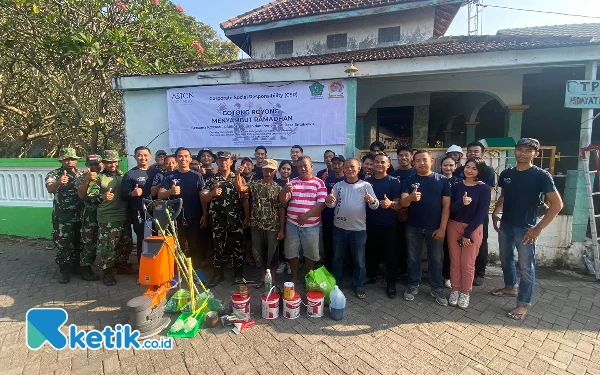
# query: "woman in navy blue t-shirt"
(469, 206)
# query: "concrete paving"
(561, 335)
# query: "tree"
(58, 57)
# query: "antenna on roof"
(475, 17)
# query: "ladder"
(585, 153)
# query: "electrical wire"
(537, 11)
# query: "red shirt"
(305, 195)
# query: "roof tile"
(285, 9)
(438, 47)
(582, 30)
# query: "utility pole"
(475, 17)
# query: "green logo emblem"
(316, 89)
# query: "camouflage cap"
(110, 155)
(223, 155)
(68, 153)
(270, 164)
(93, 159)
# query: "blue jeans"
(435, 257)
(509, 238)
(354, 240)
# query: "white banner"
(273, 114)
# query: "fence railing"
(24, 186)
(499, 158)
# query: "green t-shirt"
(115, 209)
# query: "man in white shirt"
(350, 198)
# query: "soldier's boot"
(109, 277)
(218, 276)
(75, 269)
(125, 269)
(88, 275)
(65, 273)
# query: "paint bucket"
(240, 303)
(270, 307)
(291, 307)
(289, 291)
(315, 304)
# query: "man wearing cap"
(66, 213)
(159, 158)
(247, 173)
(260, 154)
(230, 215)
(206, 158)
(336, 175)
(137, 185)
(89, 217)
(187, 184)
(521, 201)
(114, 229)
(456, 153)
(267, 216)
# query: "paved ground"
(561, 334)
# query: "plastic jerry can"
(337, 304)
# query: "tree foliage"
(58, 57)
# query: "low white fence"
(24, 186)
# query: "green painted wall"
(32, 221)
(26, 221)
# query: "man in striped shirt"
(305, 196)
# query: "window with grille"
(284, 48)
(337, 41)
(389, 34)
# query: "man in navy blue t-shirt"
(427, 220)
(381, 224)
(522, 189)
(187, 184)
(404, 171)
(476, 150)
(336, 175)
(136, 186)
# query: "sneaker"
(281, 268)
(478, 281)
(447, 284)
(289, 269)
(440, 298)
(453, 298)
(463, 301)
(410, 293)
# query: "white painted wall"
(416, 25)
(146, 118)
(506, 86)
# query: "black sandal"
(259, 285)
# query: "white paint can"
(291, 307)
(270, 307)
(315, 300)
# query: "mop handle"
(192, 294)
(175, 255)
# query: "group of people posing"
(362, 207)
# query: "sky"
(493, 18)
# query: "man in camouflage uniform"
(267, 217)
(229, 214)
(89, 220)
(114, 230)
(66, 213)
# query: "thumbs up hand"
(368, 197)
(415, 196)
(217, 191)
(108, 196)
(330, 198)
(137, 191)
(175, 190)
(288, 188)
(64, 179)
(91, 176)
(385, 202)
(466, 199)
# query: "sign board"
(582, 94)
(273, 114)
